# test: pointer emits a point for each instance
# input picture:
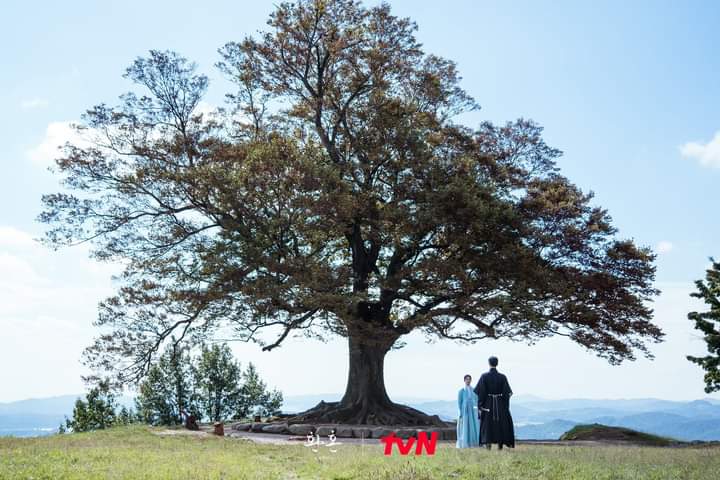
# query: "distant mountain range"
(548, 419)
(541, 419)
(534, 417)
(39, 416)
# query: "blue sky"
(630, 91)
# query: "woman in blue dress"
(468, 426)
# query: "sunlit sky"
(630, 91)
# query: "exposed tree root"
(366, 414)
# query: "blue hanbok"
(468, 426)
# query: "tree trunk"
(366, 400)
(366, 380)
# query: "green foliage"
(708, 323)
(126, 416)
(169, 390)
(98, 411)
(598, 432)
(210, 385)
(218, 378)
(255, 398)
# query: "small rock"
(276, 428)
(325, 430)
(241, 426)
(362, 432)
(257, 427)
(301, 429)
(191, 422)
(379, 432)
(219, 429)
(344, 431)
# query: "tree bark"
(365, 400)
(366, 380)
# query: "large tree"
(338, 194)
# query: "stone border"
(341, 430)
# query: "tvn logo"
(422, 442)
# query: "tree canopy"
(210, 385)
(98, 411)
(338, 194)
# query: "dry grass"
(135, 452)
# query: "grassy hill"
(600, 432)
(137, 452)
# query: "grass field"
(136, 452)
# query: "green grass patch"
(137, 453)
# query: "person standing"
(468, 428)
(493, 392)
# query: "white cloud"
(12, 237)
(664, 247)
(16, 271)
(708, 154)
(56, 135)
(48, 301)
(34, 103)
(59, 133)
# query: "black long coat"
(496, 425)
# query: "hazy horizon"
(521, 397)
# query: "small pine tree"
(709, 323)
(96, 412)
(255, 397)
(218, 379)
(168, 390)
(126, 416)
(211, 386)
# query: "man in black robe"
(493, 391)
